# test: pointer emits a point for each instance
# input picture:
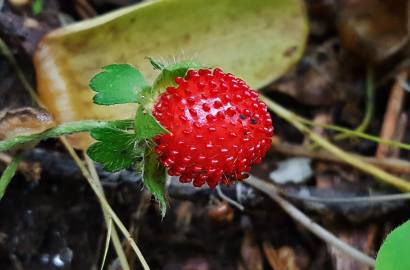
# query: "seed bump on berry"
(218, 128)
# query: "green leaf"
(146, 126)
(9, 172)
(117, 84)
(116, 149)
(394, 253)
(154, 178)
(37, 7)
(113, 136)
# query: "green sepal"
(166, 78)
(118, 84)
(155, 63)
(168, 74)
(154, 177)
(116, 149)
(146, 126)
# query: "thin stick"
(9, 172)
(350, 200)
(107, 243)
(354, 133)
(315, 228)
(399, 134)
(105, 204)
(391, 164)
(108, 220)
(379, 174)
(391, 117)
(229, 200)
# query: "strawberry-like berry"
(218, 128)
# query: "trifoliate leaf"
(116, 149)
(118, 84)
(113, 136)
(154, 178)
(122, 124)
(393, 254)
(146, 126)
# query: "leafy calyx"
(118, 148)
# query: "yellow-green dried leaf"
(256, 40)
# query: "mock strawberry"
(218, 128)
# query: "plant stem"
(9, 172)
(69, 128)
(292, 118)
(355, 133)
(111, 232)
(369, 106)
(393, 165)
(104, 203)
(371, 199)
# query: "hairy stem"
(69, 128)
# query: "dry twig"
(392, 115)
(390, 164)
(315, 228)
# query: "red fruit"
(218, 128)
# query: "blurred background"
(335, 63)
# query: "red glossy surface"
(218, 126)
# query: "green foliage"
(37, 7)
(154, 178)
(116, 149)
(394, 253)
(8, 173)
(118, 84)
(146, 126)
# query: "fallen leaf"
(373, 29)
(315, 80)
(24, 121)
(257, 41)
